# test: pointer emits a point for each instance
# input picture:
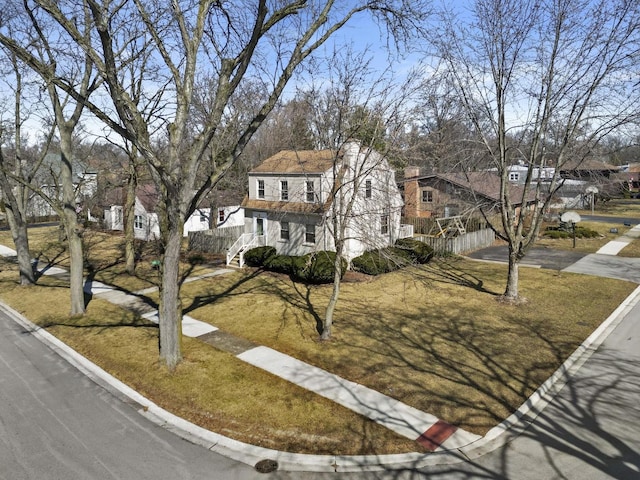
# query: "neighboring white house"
(293, 196)
(518, 173)
(145, 223)
(84, 181)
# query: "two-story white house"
(297, 197)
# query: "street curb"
(251, 454)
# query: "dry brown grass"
(586, 245)
(434, 337)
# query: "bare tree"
(230, 42)
(16, 194)
(358, 114)
(542, 82)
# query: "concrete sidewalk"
(426, 429)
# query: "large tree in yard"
(27, 37)
(542, 82)
(230, 43)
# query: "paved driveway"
(537, 257)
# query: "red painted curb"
(436, 435)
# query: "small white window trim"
(260, 189)
(285, 227)
(368, 188)
(310, 191)
(284, 190)
(384, 224)
(309, 229)
(138, 222)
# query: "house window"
(284, 190)
(137, 222)
(203, 217)
(514, 176)
(367, 189)
(427, 196)
(384, 224)
(260, 188)
(284, 230)
(310, 233)
(311, 195)
(221, 215)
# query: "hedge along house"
(296, 196)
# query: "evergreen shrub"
(257, 257)
(383, 260)
(317, 267)
(420, 251)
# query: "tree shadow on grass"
(84, 322)
(231, 290)
(447, 270)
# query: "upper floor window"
(138, 222)
(284, 190)
(260, 188)
(427, 196)
(384, 224)
(310, 233)
(284, 230)
(310, 191)
(514, 176)
(367, 189)
(220, 215)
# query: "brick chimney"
(411, 171)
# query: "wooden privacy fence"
(217, 240)
(462, 243)
(428, 226)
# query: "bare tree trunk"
(70, 221)
(511, 291)
(333, 300)
(129, 219)
(170, 308)
(18, 227)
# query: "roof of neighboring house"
(286, 207)
(147, 194)
(589, 164)
(298, 162)
(486, 184)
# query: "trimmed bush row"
(406, 251)
(317, 267)
(581, 232)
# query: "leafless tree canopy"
(542, 83)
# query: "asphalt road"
(535, 257)
(57, 424)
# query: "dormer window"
(284, 190)
(260, 188)
(310, 191)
